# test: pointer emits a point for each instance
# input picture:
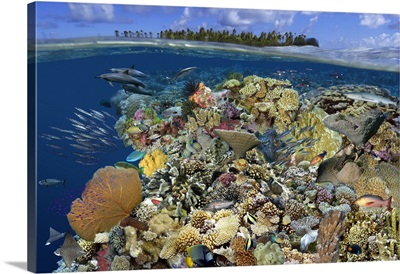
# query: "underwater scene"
(158, 153)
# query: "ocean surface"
(66, 82)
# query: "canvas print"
(166, 137)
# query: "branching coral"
(331, 229)
(109, 196)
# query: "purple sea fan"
(230, 111)
(324, 195)
(226, 178)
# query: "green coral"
(268, 254)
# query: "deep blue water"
(65, 84)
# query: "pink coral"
(138, 114)
(226, 178)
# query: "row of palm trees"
(244, 38)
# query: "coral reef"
(331, 229)
(153, 161)
(269, 254)
(109, 196)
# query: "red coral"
(102, 261)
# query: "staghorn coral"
(109, 196)
(153, 161)
(331, 229)
(239, 141)
(269, 254)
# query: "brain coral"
(268, 254)
(109, 197)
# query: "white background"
(13, 104)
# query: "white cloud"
(311, 23)
(372, 21)
(383, 40)
(182, 23)
(244, 18)
(91, 12)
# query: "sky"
(331, 29)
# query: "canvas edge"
(32, 148)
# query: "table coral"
(153, 161)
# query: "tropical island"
(270, 39)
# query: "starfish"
(70, 250)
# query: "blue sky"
(332, 29)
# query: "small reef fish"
(355, 249)
(104, 103)
(52, 182)
(181, 73)
(317, 158)
(172, 112)
(122, 78)
(326, 184)
(131, 71)
(275, 239)
(218, 205)
(370, 97)
(134, 130)
(249, 243)
(122, 164)
(130, 88)
(250, 218)
(54, 236)
(199, 255)
(370, 200)
(135, 156)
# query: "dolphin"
(181, 73)
(131, 71)
(122, 78)
(52, 182)
(136, 89)
(54, 236)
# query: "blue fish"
(135, 156)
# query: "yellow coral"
(289, 100)
(187, 237)
(152, 162)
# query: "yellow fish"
(134, 130)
